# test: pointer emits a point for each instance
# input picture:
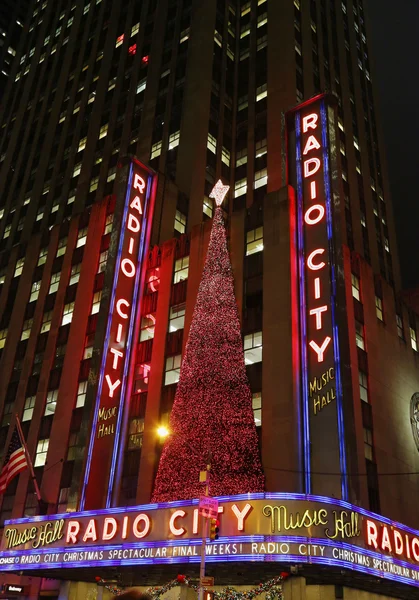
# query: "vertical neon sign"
(114, 378)
(324, 444)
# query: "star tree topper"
(219, 192)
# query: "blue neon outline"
(338, 378)
(303, 305)
(106, 343)
(144, 225)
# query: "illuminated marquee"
(253, 527)
(115, 376)
(310, 164)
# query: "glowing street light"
(163, 432)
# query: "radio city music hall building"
(101, 257)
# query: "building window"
(103, 131)
(54, 283)
(181, 269)
(156, 150)
(81, 237)
(212, 143)
(356, 287)
(257, 408)
(359, 335)
(261, 148)
(240, 188)
(261, 178)
(180, 222)
(7, 414)
(225, 156)
(77, 167)
(103, 257)
(241, 157)
(46, 321)
(177, 317)
(148, 323)
(67, 313)
(81, 394)
(108, 224)
(62, 244)
(28, 408)
(88, 346)
(41, 453)
(363, 386)
(135, 433)
(253, 348)
(413, 339)
(75, 274)
(3, 336)
(19, 267)
(26, 329)
(73, 444)
(96, 302)
(261, 92)
(379, 308)
(174, 139)
(172, 369)
(368, 447)
(36, 286)
(82, 144)
(254, 241)
(51, 402)
(399, 322)
(64, 492)
(208, 207)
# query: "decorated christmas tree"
(212, 414)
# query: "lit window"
(51, 402)
(253, 348)
(225, 156)
(174, 140)
(148, 323)
(257, 408)
(88, 346)
(363, 386)
(55, 206)
(108, 224)
(261, 178)
(75, 274)
(356, 287)
(96, 302)
(41, 453)
(94, 184)
(181, 269)
(218, 38)
(111, 174)
(241, 157)
(36, 286)
(62, 245)
(3, 336)
(399, 322)
(40, 214)
(254, 241)
(359, 335)
(184, 35)
(172, 369)
(7, 231)
(142, 85)
(28, 408)
(119, 41)
(413, 339)
(243, 102)
(261, 92)
(368, 448)
(103, 131)
(135, 29)
(42, 259)
(208, 207)
(67, 313)
(262, 42)
(26, 329)
(240, 187)
(46, 321)
(155, 150)
(212, 143)
(180, 222)
(379, 308)
(103, 257)
(54, 283)
(261, 148)
(81, 394)
(82, 144)
(76, 170)
(19, 267)
(135, 433)
(81, 237)
(177, 317)
(73, 445)
(262, 19)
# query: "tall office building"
(117, 123)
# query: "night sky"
(394, 27)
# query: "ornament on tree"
(212, 413)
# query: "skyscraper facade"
(117, 122)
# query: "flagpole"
(28, 458)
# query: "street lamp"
(163, 432)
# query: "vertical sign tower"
(115, 377)
(309, 162)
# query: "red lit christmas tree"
(212, 411)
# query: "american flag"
(14, 463)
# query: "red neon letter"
(372, 534)
(116, 354)
(120, 303)
(311, 161)
(316, 288)
(109, 535)
(318, 312)
(125, 528)
(144, 532)
(112, 386)
(385, 540)
(309, 220)
(415, 548)
(313, 190)
(310, 263)
(319, 350)
(310, 121)
(312, 144)
(133, 223)
(139, 183)
(90, 533)
(398, 542)
(241, 514)
(128, 267)
(72, 532)
(173, 529)
(136, 203)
